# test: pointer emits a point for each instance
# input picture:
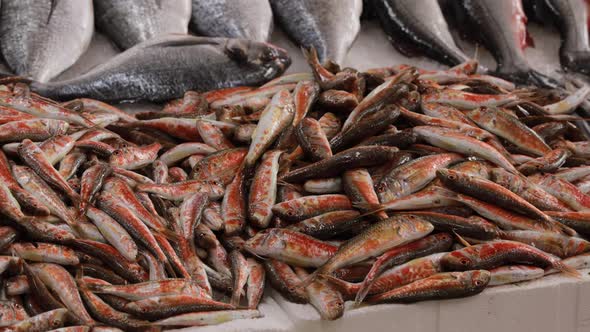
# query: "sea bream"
(571, 18)
(501, 27)
(329, 26)
(419, 26)
(130, 22)
(42, 38)
(248, 19)
(144, 72)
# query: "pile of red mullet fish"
(392, 185)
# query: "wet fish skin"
(224, 60)
(255, 283)
(548, 163)
(105, 313)
(397, 256)
(327, 225)
(313, 140)
(509, 128)
(276, 117)
(42, 322)
(473, 226)
(131, 22)
(112, 258)
(439, 286)
(572, 21)
(323, 296)
(506, 43)
(301, 208)
(208, 318)
(562, 190)
(236, 19)
(263, 190)
(580, 221)
(373, 241)
(240, 272)
(422, 25)
(33, 156)
(328, 26)
(356, 157)
(132, 157)
(514, 273)
(91, 183)
(43, 38)
(290, 247)
(34, 129)
(170, 305)
(61, 282)
(489, 191)
(460, 143)
(367, 126)
(113, 232)
(358, 185)
(413, 175)
(148, 289)
(527, 190)
(502, 252)
(283, 279)
(559, 245)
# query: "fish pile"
(160, 60)
(395, 184)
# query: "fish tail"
(309, 279)
(235, 299)
(568, 270)
(566, 229)
(362, 292)
(97, 288)
(347, 289)
(168, 234)
(369, 207)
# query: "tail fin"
(568, 270)
(309, 279)
(370, 208)
(347, 289)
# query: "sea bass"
(329, 26)
(130, 22)
(232, 18)
(419, 25)
(143, 72)
(40, 39)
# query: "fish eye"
(478, 283)
(267, 55)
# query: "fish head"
(414, 225)
(459, 260)
(451, 178)
(477, 279)
(117, 158)
(265, 242)
(57, 317)
(275, 59)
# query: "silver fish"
(130, 22)
(144, 73)
(330, 26)
(248, 19)
(421, 25)
(42, 38)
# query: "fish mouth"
(282, 60)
